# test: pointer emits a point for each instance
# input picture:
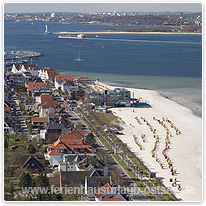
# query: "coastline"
(123, 32)
(185, 149)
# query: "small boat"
(97, 36)
(79, 59)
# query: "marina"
(12, 57)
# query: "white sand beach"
(185, 148)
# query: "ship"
(77, 36)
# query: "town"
(60, 132)
(144, 21)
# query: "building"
(31, 106)
(22, 68)
(8, 127)
(72, 142)
(45, 98)
(32, 79)
(108, 96)
(59, 79)
(47, 73)
(108, 193)
(66, 84)
(47, 107)
(84, 80)
(33, 163)
(35, 85)
(76, 92)
(81, 162)
(36, 93)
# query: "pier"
(13, 55)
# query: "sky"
(100, 7)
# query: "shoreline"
(123, 32)
(185, 102)
(186, 148)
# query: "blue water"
(152, 61)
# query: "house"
(9, 124)
(73, 142)
(36, 93)
(46, 73)
(22, 68)
(92, 161)
(32, 79)
(39, 121)
(33, 163)
(100, 110)
(74, 178)
(95, 182)
(35, 85)
(108, 193)
(59, 79)
(31, 106)
(44, 108)
(76, 92)
(70, 162)
(80, 162)
(84, 80)
(8, 127)
(54, 130)
(45, 98)
(66, 84)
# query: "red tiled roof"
(111, 199)
(83, 78)
(102, 190)
(45, 98)
(39, 119)
(46, 68)
(64, 77)
(73, 136)
(34, 85)
(49, 104)
(7, 109)
(67, 142)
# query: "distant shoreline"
(122, 32)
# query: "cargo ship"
(78, 36)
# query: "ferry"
(78, 36)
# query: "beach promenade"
(168, 138)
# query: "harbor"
(15, 56)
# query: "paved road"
(127, 181)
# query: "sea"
(168, 63)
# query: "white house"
(23, 68)
(32, 106)
(7, 126)
(43, 74)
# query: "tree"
(31, 149)
(25, 180)
(11, 189)
(42, 181)
(6, 143)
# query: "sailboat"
(79, 58)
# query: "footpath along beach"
(168, 139)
